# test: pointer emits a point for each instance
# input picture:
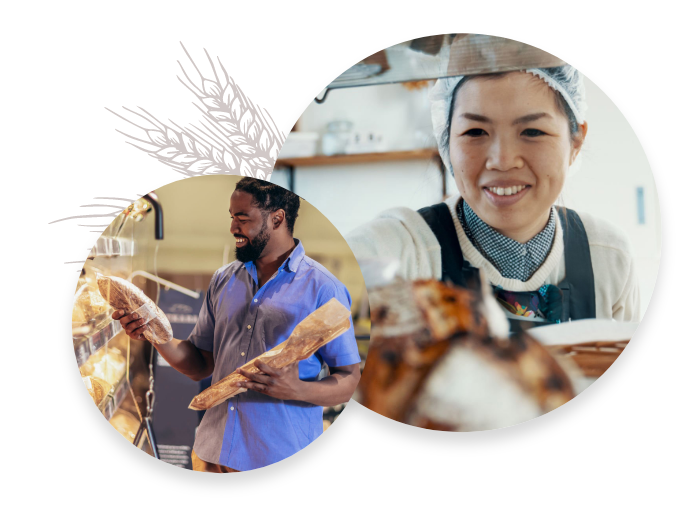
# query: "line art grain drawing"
(232, 136)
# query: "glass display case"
(115, 370)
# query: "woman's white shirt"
(401, 233)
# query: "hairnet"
(565, 79)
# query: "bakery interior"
(169, 243)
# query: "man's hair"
(270, 197)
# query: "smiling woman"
(510, 139)
(512, 145)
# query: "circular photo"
(218, 323)
(504, 216)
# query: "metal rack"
(113, 254)
(114, 398)
(91, 341)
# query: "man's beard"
(252, 251)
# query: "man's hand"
(279, 383)
(183, 356)
(131, 323)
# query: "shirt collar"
(511, 258)
(295, 257)
(291, 263)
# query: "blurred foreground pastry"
(438, 359)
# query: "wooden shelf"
(391, 156)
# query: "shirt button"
(242, 354)
(249, 327)
(255, 300)
(232, 408)
(523, 252)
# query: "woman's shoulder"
(605, 235)
(395, 224)
(399, 233)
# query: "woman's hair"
(270, 197)
(562, 105)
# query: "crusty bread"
(125, 296)
(126, 424)
(88, 304)
(433, 363)
(323, 325)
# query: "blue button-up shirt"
(238, 322)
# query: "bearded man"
(251, 306)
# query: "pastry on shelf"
(88, 304)
(126, 424)
(107, 364)
(97, 388)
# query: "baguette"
(125, 296)
(320, 327)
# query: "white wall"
(614, 165)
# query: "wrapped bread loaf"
(125, 296)
(320, 327)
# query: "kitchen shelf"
(290, 164)
(389, 156)
(91, 342)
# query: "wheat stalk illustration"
(93, 220)
(233, 136)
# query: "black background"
(281, 73)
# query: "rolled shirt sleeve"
(202, 335)
(344, 349)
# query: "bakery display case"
(114, 369)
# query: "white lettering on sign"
(182, 318)
(174, 447)
(180, 308)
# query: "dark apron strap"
(578, 285)
(440, 220)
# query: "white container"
(299, 145)
(337, 137)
